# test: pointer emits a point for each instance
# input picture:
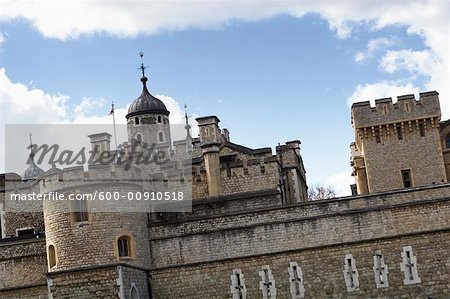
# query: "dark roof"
(146, 103)
(247, 150)
(33, 171)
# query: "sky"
(272, 71)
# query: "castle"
(251, 232)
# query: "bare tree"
(318, 192)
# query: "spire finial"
(185, 114)
(31, 147)
(187, 126)
(141, 54)
(31, 141)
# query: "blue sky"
(271, 73)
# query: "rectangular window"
(399, 132)
(421, 129)
(80, 211)
(377, 135)
(406, 178)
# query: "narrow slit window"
(399, 132)
(380, 270)
(267, 283)
(238, 288)
(409, 266)
(51, 256)
(351, 276)
(377, 135)
(161, 137)
(296, 281)
(421, 129)
(136, 120)
(406, 177)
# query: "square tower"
(397, 145)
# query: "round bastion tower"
(148, 120)
(96, 246)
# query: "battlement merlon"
(290, 153)
(407, 108)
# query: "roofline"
(136, 113)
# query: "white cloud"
(2, 39)
(21, 105)
(70, 19)
(371, 92)
(422, 62)
(341, 182)
(373, 46)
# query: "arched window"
(136, 120)
(134, 293)
(51, 256)
(159, 119)
(447, 141)
(161, 137)
(139, 137)
(124, 246)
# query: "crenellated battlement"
(73, 177)
(406, 108)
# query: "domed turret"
(33, 171)
(148, 119)
(146, 103)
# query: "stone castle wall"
(421, 155)
(200, 253)
(322, 271)
(23, 265)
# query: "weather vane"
(186, 117)
(142, 67)
(31, 141)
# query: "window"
(409, 266)
(159, 119)
(2, 221)
(267, 283)
(124, 246)
(134, 293)
(136, 120)
(421, 129)
(406, 177)
(139, 137)
(377, 135)
(51, 256)
(296, 281)
(26, 231)
(351, 276)
(380, 269)
(399, 132)
(161, 137)
(447, 141)
(238, 288)
(80, 211)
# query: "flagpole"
(114, 124)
